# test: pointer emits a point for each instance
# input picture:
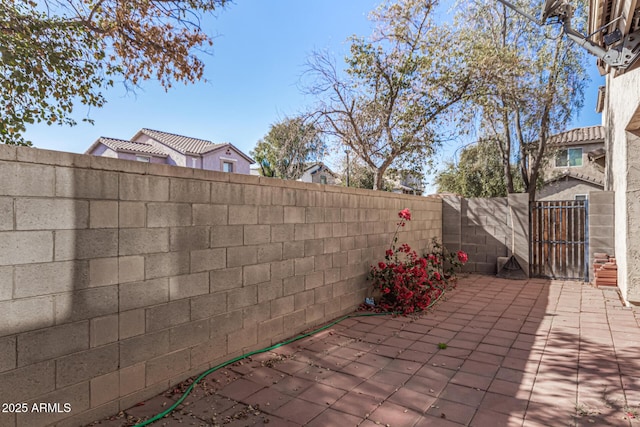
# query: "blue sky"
(258, 58)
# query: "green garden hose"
(263, 350)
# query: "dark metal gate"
(559, 239)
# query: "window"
(145, 159)
(569, 157)
(580, 197)
(323, 179)
(227, 167)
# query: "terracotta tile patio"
(519, 353)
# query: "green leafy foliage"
(406, 283)
(389, 104)
(57, 54)
(531, 83)
(478, 173)
(287, 148)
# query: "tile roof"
(579, 135)
(317, 166)
(183, 144)
(129, 146)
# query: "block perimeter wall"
(119, 279)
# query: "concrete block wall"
(601, 225)
(482, 228)
(119, 279)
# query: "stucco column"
(520, 241)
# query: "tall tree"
(288, 147)
(397, 87)
(532, 83)
(478, 173)
(57, 53)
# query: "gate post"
(519, 208)
(601, 225)
(452, 222)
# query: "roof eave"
(228, 144)
(95, 145)
(142, 153)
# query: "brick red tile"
(359, 370)
(394, 415)
(408, 398)
(265, 376)
(403, 366)
(385, 350)
(465, 395)
(342, 381)
(390, 377)
(480, 356)
(358, 404)
(292, 386)
(500, 350)
(289, 366)
(441, 360)
(471, 380)
(322, 394)
(431, 385)
(299, 411)
(240, 389)
(375, 360)
(504, 404)
(480, 368)
(414, 356)
(267, 399)
(429, 421)
(332, 417)
(452, 411)
(376, 389)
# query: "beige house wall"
(588, 167)
(119, 279)
(623, 176)
(566, 189)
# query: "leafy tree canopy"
(531, 82)
(57, 53)
(397, 88)
(478, 173)
(288, 147)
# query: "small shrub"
(405, 282)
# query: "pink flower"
(382, 265)
(389, 252)
(462, 257)
(386, 290)
(405, 214)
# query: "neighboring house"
(255, 170)
(620, 106)
(319, 173)
(404, 182)
(162, 147)
(572, 171)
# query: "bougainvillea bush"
(407, 283)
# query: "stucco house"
(319, 173)
(155, 146)
(404, 182)
(575, 167)
(620, 104)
